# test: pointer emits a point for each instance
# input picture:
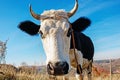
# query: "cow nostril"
(50, 66)
(65, 67)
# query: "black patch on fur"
(81, 24)
(29, 27)
(84, 44)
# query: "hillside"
(105, 64)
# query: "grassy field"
(9, 72)
(46, 77)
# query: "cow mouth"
(57, 70)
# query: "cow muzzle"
(59, 68)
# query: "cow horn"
(72, 12)
(36, 16)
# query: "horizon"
(104, 30)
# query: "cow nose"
(59, 68)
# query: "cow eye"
(70, 30)
(41, 33)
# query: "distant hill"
(105, 64)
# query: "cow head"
(53, 29)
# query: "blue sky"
(104, 30)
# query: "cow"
(55, 31)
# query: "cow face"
(56, 44)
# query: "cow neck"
(73, 42)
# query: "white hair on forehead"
(55, 13)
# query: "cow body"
(84, 51)
(84, 44)
(58, 45)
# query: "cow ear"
(29, 27)
(81, 24)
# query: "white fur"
(54, 13)
(55, 42)
(78, 55)
(77, 76)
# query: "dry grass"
(113, 77)
(9, 72)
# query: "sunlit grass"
(9, 72)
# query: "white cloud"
(107, 42)
(94, 7)
(108, 47)
(114, 37)
(108, 54)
